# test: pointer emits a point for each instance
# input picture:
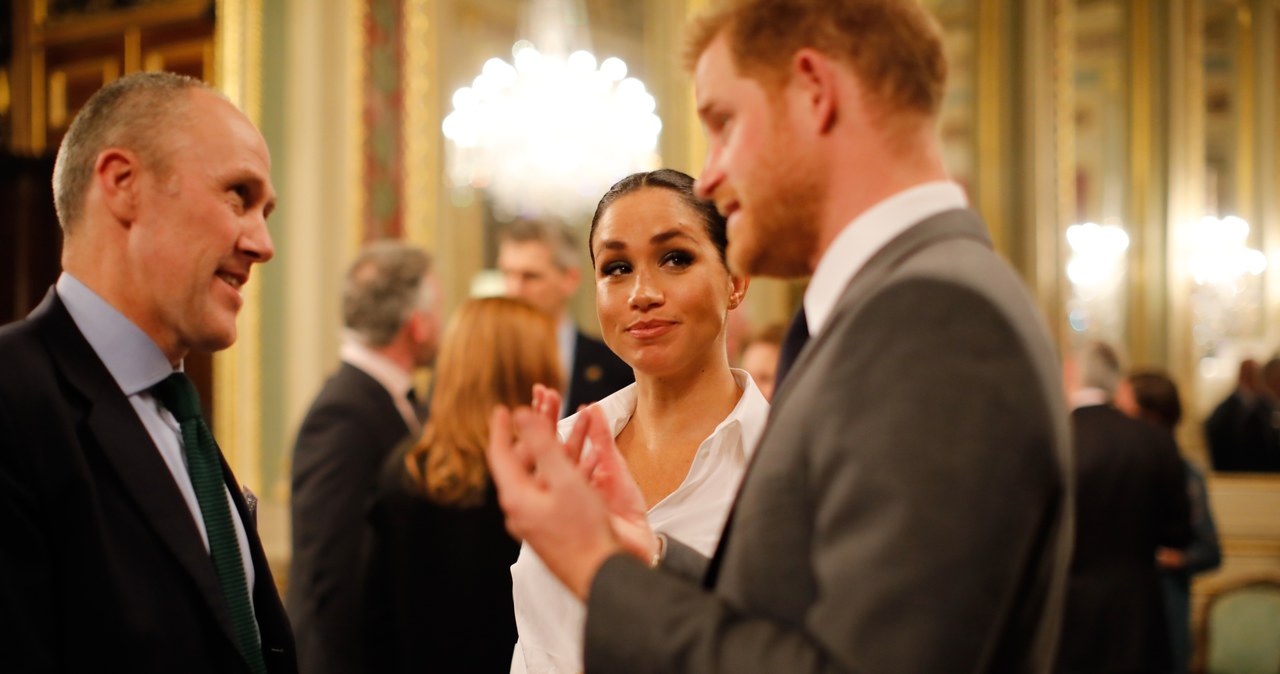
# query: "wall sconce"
(1096, 272)
(1226, 298)
(1219, 254)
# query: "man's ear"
(817, 87)
(572, 277)
(116, 175)
(420, 324)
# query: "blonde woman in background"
(437, 571)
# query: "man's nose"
(705, 186)
(257, 243)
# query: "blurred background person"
(1153, 396)
(760, 357)
(688, 425)
(437, 570)
(367, 408)
(538, 261)
(1240, 431)
(1131, 498)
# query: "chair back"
(1243, 629)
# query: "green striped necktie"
(177, 393)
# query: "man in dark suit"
(539, 264)
(1241, 431)
(366, 409)
(908, 508)
(1131, 497)
(127, 544)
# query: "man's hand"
(547, 501)
(1170, 558)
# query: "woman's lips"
(650, 329)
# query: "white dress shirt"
(865, 236)
(136, 364)
(395, 379)
(549, 619)
(1087, 397)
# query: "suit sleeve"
(1173, 495)
(683, 561)
(1204, 553)
(29, 642)
(935, 500)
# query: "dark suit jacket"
(438, 583)
(102, 565)
(908, 507)
(1242, 437)
(351, 428)
(1131, 496)
(597, 373)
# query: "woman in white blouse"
(688, 425)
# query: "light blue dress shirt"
(137, 364)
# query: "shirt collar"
(1087, 397)
(132, 358)
(863, 237)
(392, 377)
(747, 417)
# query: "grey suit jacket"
(909, 506)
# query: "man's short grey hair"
(135, 112)
(383, 287)
(557, 237)
(1099, 366)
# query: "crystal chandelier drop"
(549, 132)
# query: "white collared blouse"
(549, 619)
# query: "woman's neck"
(673, 416)
(694, 401)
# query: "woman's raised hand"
(547, 402)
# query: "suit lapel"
(113, 424)
(946, 225)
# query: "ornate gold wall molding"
(1041, 50)
(423, 174)
(237, 371)
(990, 109)
(1186, 180)
(1245, 60)
(695, 141)
(1145, 232)
(357, 71)
(1268, 28)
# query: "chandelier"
(1220, 254)
(1096, 270)
(549, 132)
(1226, 302)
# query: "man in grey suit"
(909, 506)
(390, 311)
